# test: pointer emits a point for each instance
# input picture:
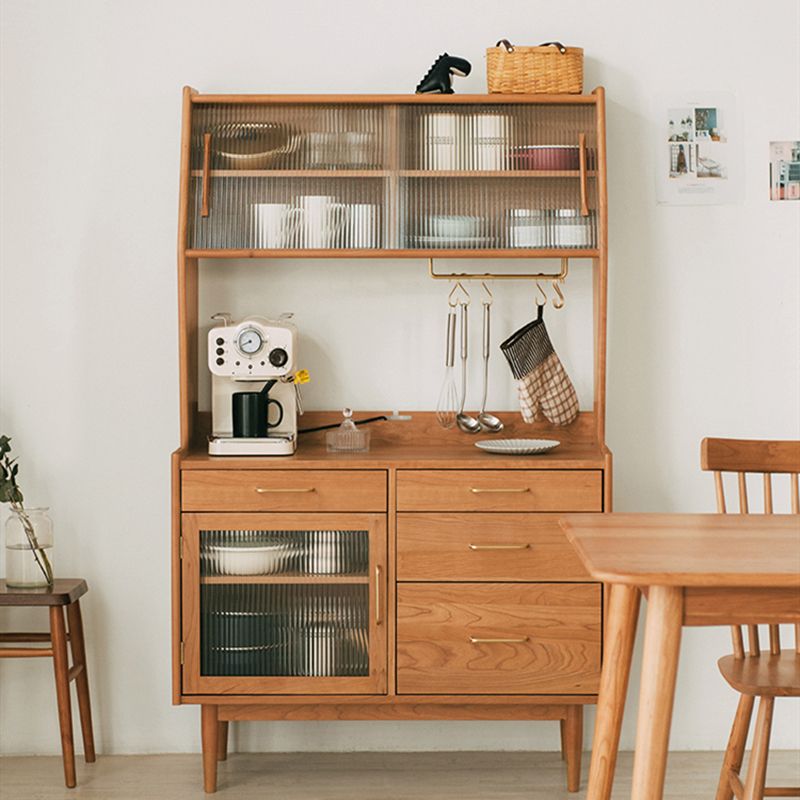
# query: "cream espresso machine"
(254, 403)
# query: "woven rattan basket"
(549, 68)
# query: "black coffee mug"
(251, 414)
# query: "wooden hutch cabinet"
(425, 579)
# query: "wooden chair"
(64, 593)
(755, 673)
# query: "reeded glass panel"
(497, 176)
(284, 603)
(291, 630)
(297, 553)
(290, 212)
(418, 177)
(488, 138)
(273, 179)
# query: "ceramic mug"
(272, 225)
(319, 219)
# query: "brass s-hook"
(557, 289)
(489, 296)
(542, 295)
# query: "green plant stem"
(39, 554)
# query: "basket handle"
(561, 48)
(510, 47)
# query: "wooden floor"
(352, 776)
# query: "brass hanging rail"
(502, 276)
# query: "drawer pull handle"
(378, 616)
(475, 640)
(270, 491)
(499, 546)
(499, 491)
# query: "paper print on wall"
(696, 159)
(784, 170)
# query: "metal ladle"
(465, 422)
(488, 422)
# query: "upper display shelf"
(401, 175)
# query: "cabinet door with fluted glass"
(284, 603)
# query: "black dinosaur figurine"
(439, 78)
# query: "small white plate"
(517, 447)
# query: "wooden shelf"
(420, 443)
(294, 173)
(398, 253)
(385, 173)
(286, 579)
(499, 173)
(398, 99)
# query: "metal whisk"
(447, 407)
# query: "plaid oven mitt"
(541, 379)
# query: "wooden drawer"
(447, 638)
(499, 490)
(283, 490)
(485, 547)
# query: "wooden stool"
(64, 592)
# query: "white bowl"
(232, 560)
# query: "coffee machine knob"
(278, 357)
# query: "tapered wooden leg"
(209, 729)
(222, 741)
(734, 753)
(621, 617)
(757, 768)
(573, 740)
(58, 635)
(562, 724)
(78, 648)
(662, 641)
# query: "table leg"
(573, 740)
(622, 614)
(222, 741)
(209, 730)
(78, 647)
(58, 636)
(662, 639)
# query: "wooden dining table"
(694, 569)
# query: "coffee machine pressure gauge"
(249, 341)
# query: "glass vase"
(29, 548)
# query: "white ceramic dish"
(263, 560)
(517, 447)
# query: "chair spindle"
(774, 640)
(738, 641)
(720, 493)
(767, 493)
(754, 647)
(743, 506)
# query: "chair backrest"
(743, 457)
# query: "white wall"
(704, 302)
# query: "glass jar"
(29, 548)
(570, 229)
(527, 227)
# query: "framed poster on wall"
(697, 150)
